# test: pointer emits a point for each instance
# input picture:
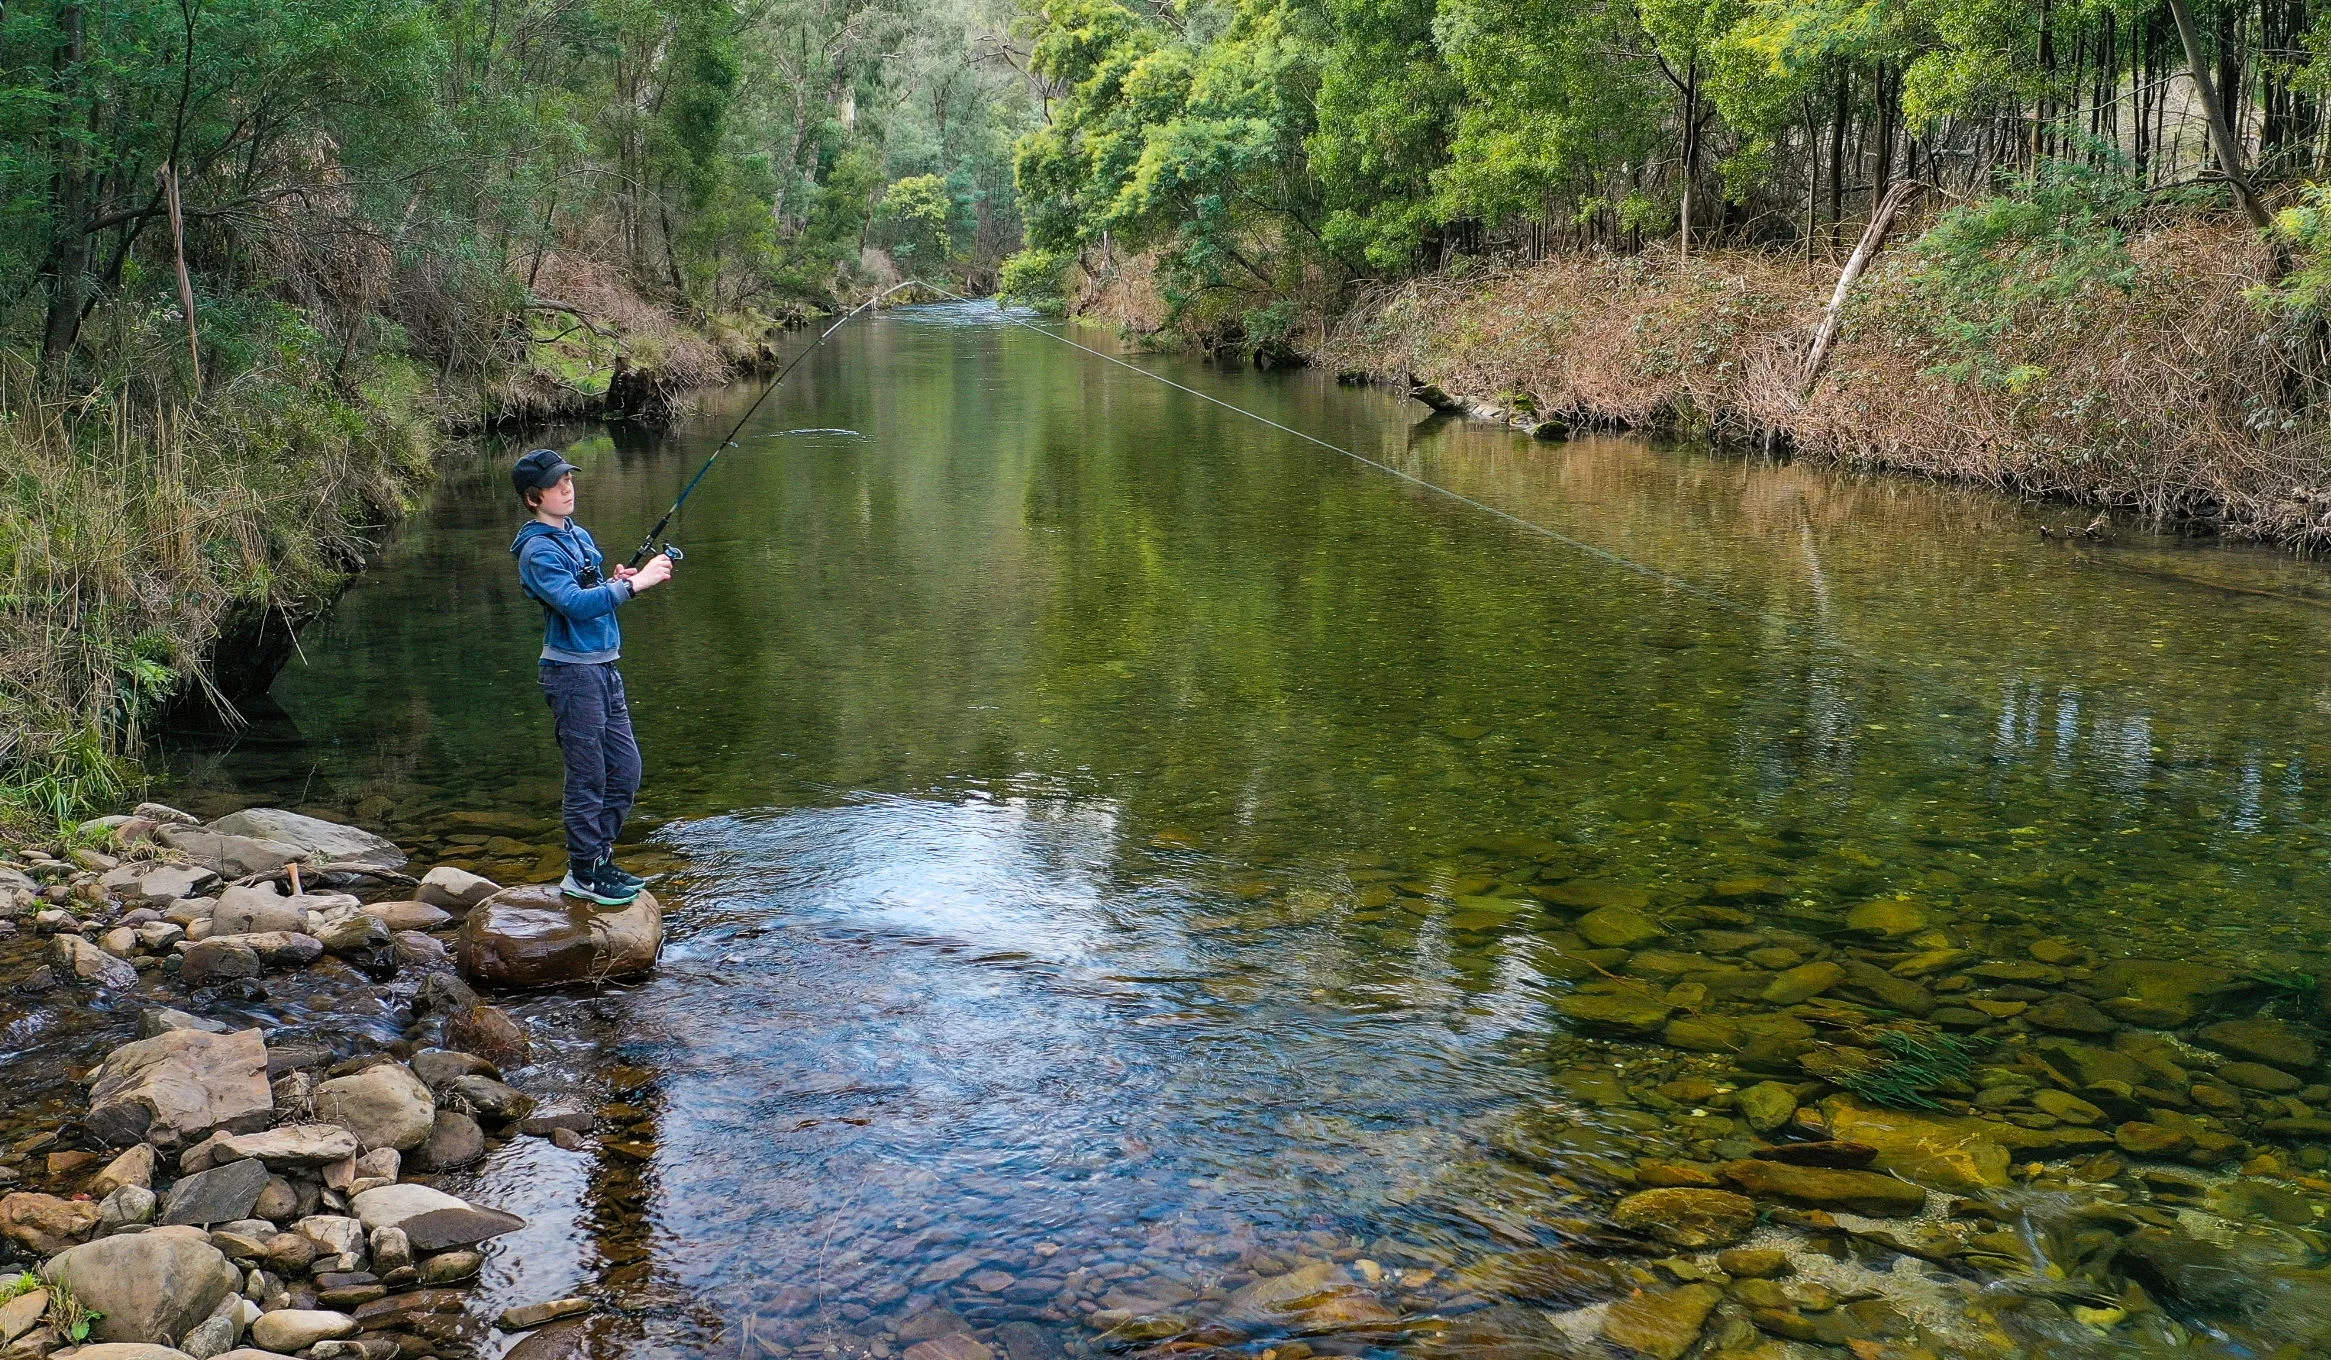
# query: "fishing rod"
(649, 544)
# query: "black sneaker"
(609, 873)
(584, 880)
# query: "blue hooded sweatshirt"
(578, 620)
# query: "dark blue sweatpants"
(593, 721)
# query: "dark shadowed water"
(1109, 835)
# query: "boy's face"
(558, 499)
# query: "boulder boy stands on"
(563, 569)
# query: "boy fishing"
(562, 568)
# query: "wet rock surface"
(1887, 1128)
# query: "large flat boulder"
(151, 1286)
(384, 1105)
(533, 936)
(179, 1087)
(389, 1206)
(251, 910)
(327, 842)
(229, 856)
(222, 1194)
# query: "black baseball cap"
(538, 470)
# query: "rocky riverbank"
(1776, 1125)
(227, 1192)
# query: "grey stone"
(293, 1145)
(212, 1337)
(295, 1329)
(492, 1099)
(445, 1229)
(390, 1205)
(454, 890)
(231, 856)
(78, 961)
(177, 1087)
(127, 1205)
(384, 1106)
(437, 1066)
(409, 915)
(220, 958)
(161, 1020)
(217, 1195)
(326, 842)
(454, 1140)
(448, 1267)
(256, 909)
(150, 1286)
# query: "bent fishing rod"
(649, 545)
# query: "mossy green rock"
(1588, 895)
(1766, 1106)
(2172, 994)
(1814, 1187)
(2269, 1041)
(1626, 1011)
(1662, 1326)
(1942, 1151)
(1618, 927)
(1693, 1219)
(1888, 918)
(1803, 983)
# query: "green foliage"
(1915, 1063)
(1985, 265)
(915, 213)
(1038, 278)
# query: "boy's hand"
(623, 573)
(657, 571)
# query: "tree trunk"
(1691, 154)
(1873, 236)
(2229, 151)
(69, 254)
(1837, 161)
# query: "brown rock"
(1690, 1218)
(1861, 1192)
(1662, 1326)
(489, 1032)
(44, 1224)
(533, 936)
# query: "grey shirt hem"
(580, 658)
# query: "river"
(1109, 834)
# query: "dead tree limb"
(1873, 236)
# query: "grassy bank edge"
(2159, 381)
(144, 544)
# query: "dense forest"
(257, 258)
(1259, 144)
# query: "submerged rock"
(1618, 927)
(1663, 1326)
(535, 937)
(1860, 1192)
(1625, 1010)
(1689, 1218)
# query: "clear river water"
(1106, 834)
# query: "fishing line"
(1604, 554)
(729, 441)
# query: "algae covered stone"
(1661, 1325)
(1618, 927)
(1888, 918)
(1688, 1218)
(1624, 1010)
(1814, 1187)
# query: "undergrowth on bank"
(138, 526)
(2071, 339)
